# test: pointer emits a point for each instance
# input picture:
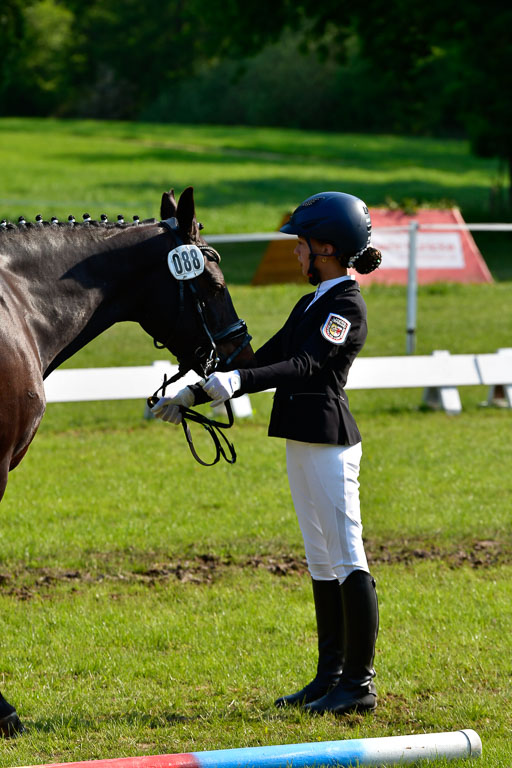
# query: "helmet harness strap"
(313, 274)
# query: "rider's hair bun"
(365, 261)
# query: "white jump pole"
(412, 289)
(390, 750)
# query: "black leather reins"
(212, 426)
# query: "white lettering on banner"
(434, 250)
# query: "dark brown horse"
(61, 285)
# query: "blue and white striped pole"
(389, 750)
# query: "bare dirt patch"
(147, 568)
(477, 554)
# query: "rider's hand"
(167, 408)
(222, 386)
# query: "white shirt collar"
(326, 285)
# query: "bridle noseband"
(206, 360)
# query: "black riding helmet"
(334, 217)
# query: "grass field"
(151, 605)
(245, 179)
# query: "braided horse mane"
(39, 223)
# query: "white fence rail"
(263, 237)
(439, 374)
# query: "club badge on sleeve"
(336, 328)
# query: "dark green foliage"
(395, 67)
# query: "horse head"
(205, 331)
(64, 283)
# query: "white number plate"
(185, 262)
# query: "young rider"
(307, 362)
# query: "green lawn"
(245, 179)
(151, 605)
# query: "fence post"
(412, 289)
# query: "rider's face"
(302, 252)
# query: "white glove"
(222, 386)
(167, 408)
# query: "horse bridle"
(204, 360)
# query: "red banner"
(443, 255)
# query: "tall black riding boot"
(355, 690)
(10, 724)
(329, 623)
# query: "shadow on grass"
(79, 723)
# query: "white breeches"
(325, 491)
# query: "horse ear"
(186, 211)
(168, 206)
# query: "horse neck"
(80, 286)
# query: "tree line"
(431, 68)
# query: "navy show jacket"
(309, 371)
